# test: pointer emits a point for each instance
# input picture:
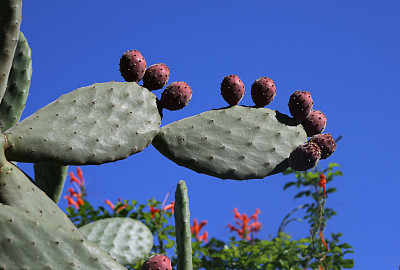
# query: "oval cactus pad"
(96, 124)
(232, 143)
(125, 239)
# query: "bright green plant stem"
(125, 239)
(101, 123)
(10, 21)
(232, 143)
(50, 178)
(18, 83)
(182, 227)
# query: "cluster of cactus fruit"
(106, 122)
(133, 68)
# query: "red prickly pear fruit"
(176, 96)
(132, 66)
(232, 89)
(300, 105)
(263, 91)
(305, 156)
(156, 76)
(157, 262)
(315, 123)
(326, 143)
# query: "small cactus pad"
(19, 80)
(232, 89)
(17, 191)
(157, 262)
(325, 143)
(156, 76)
(305, 157)
(315, 123)
(182, 227)
(263, 91)
(50, 178)
(176, 96)
(30, 244)
(96, 124)
(125, 239)
(132, 66)
(10, 21)
(300, 105)
(232, 143)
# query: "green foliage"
(277, 252)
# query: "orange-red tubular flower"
(109, 204)
(119, 209)
(196, 228)
(245, 227)
(71, 202)
(80, 175)
(323, 241)
(153, 211)
(322, 183)
(74, 179)
(169, 207)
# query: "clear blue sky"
(346, 53)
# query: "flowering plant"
(248, 252)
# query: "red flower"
(153, 211)
(71, 202)
(109, 204)
(74, 179)
(245, 227)
(322, 183)
(119, 209)
(79, 200)
(169, 206)
(196, 228)
(323, 241)
(80, 175)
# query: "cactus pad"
(96, 124)
(30, 244)
(50, 178)
(125, 239)
(17, 191)
(10, 21)
(232, 143)
(19, 80)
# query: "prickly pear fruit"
(232, 89)
(132, 66)
(157, 262)
(300, 105)
(315, 123)
(263, 91)
(326, 143)
(176, 96)
(156, 76)
(305, 156)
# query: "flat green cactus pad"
(96, 124)
(232, 143)
(125, 239)
(10, 21)
(18, 83)
(17, 191)
(50, 178)
(30, 244)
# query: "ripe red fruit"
(263, 91)
(232, 89)
(132, 66)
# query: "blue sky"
(344, 52)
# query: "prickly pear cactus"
(96, 124)
(232, 143)
(31, 244)
(125, 239)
